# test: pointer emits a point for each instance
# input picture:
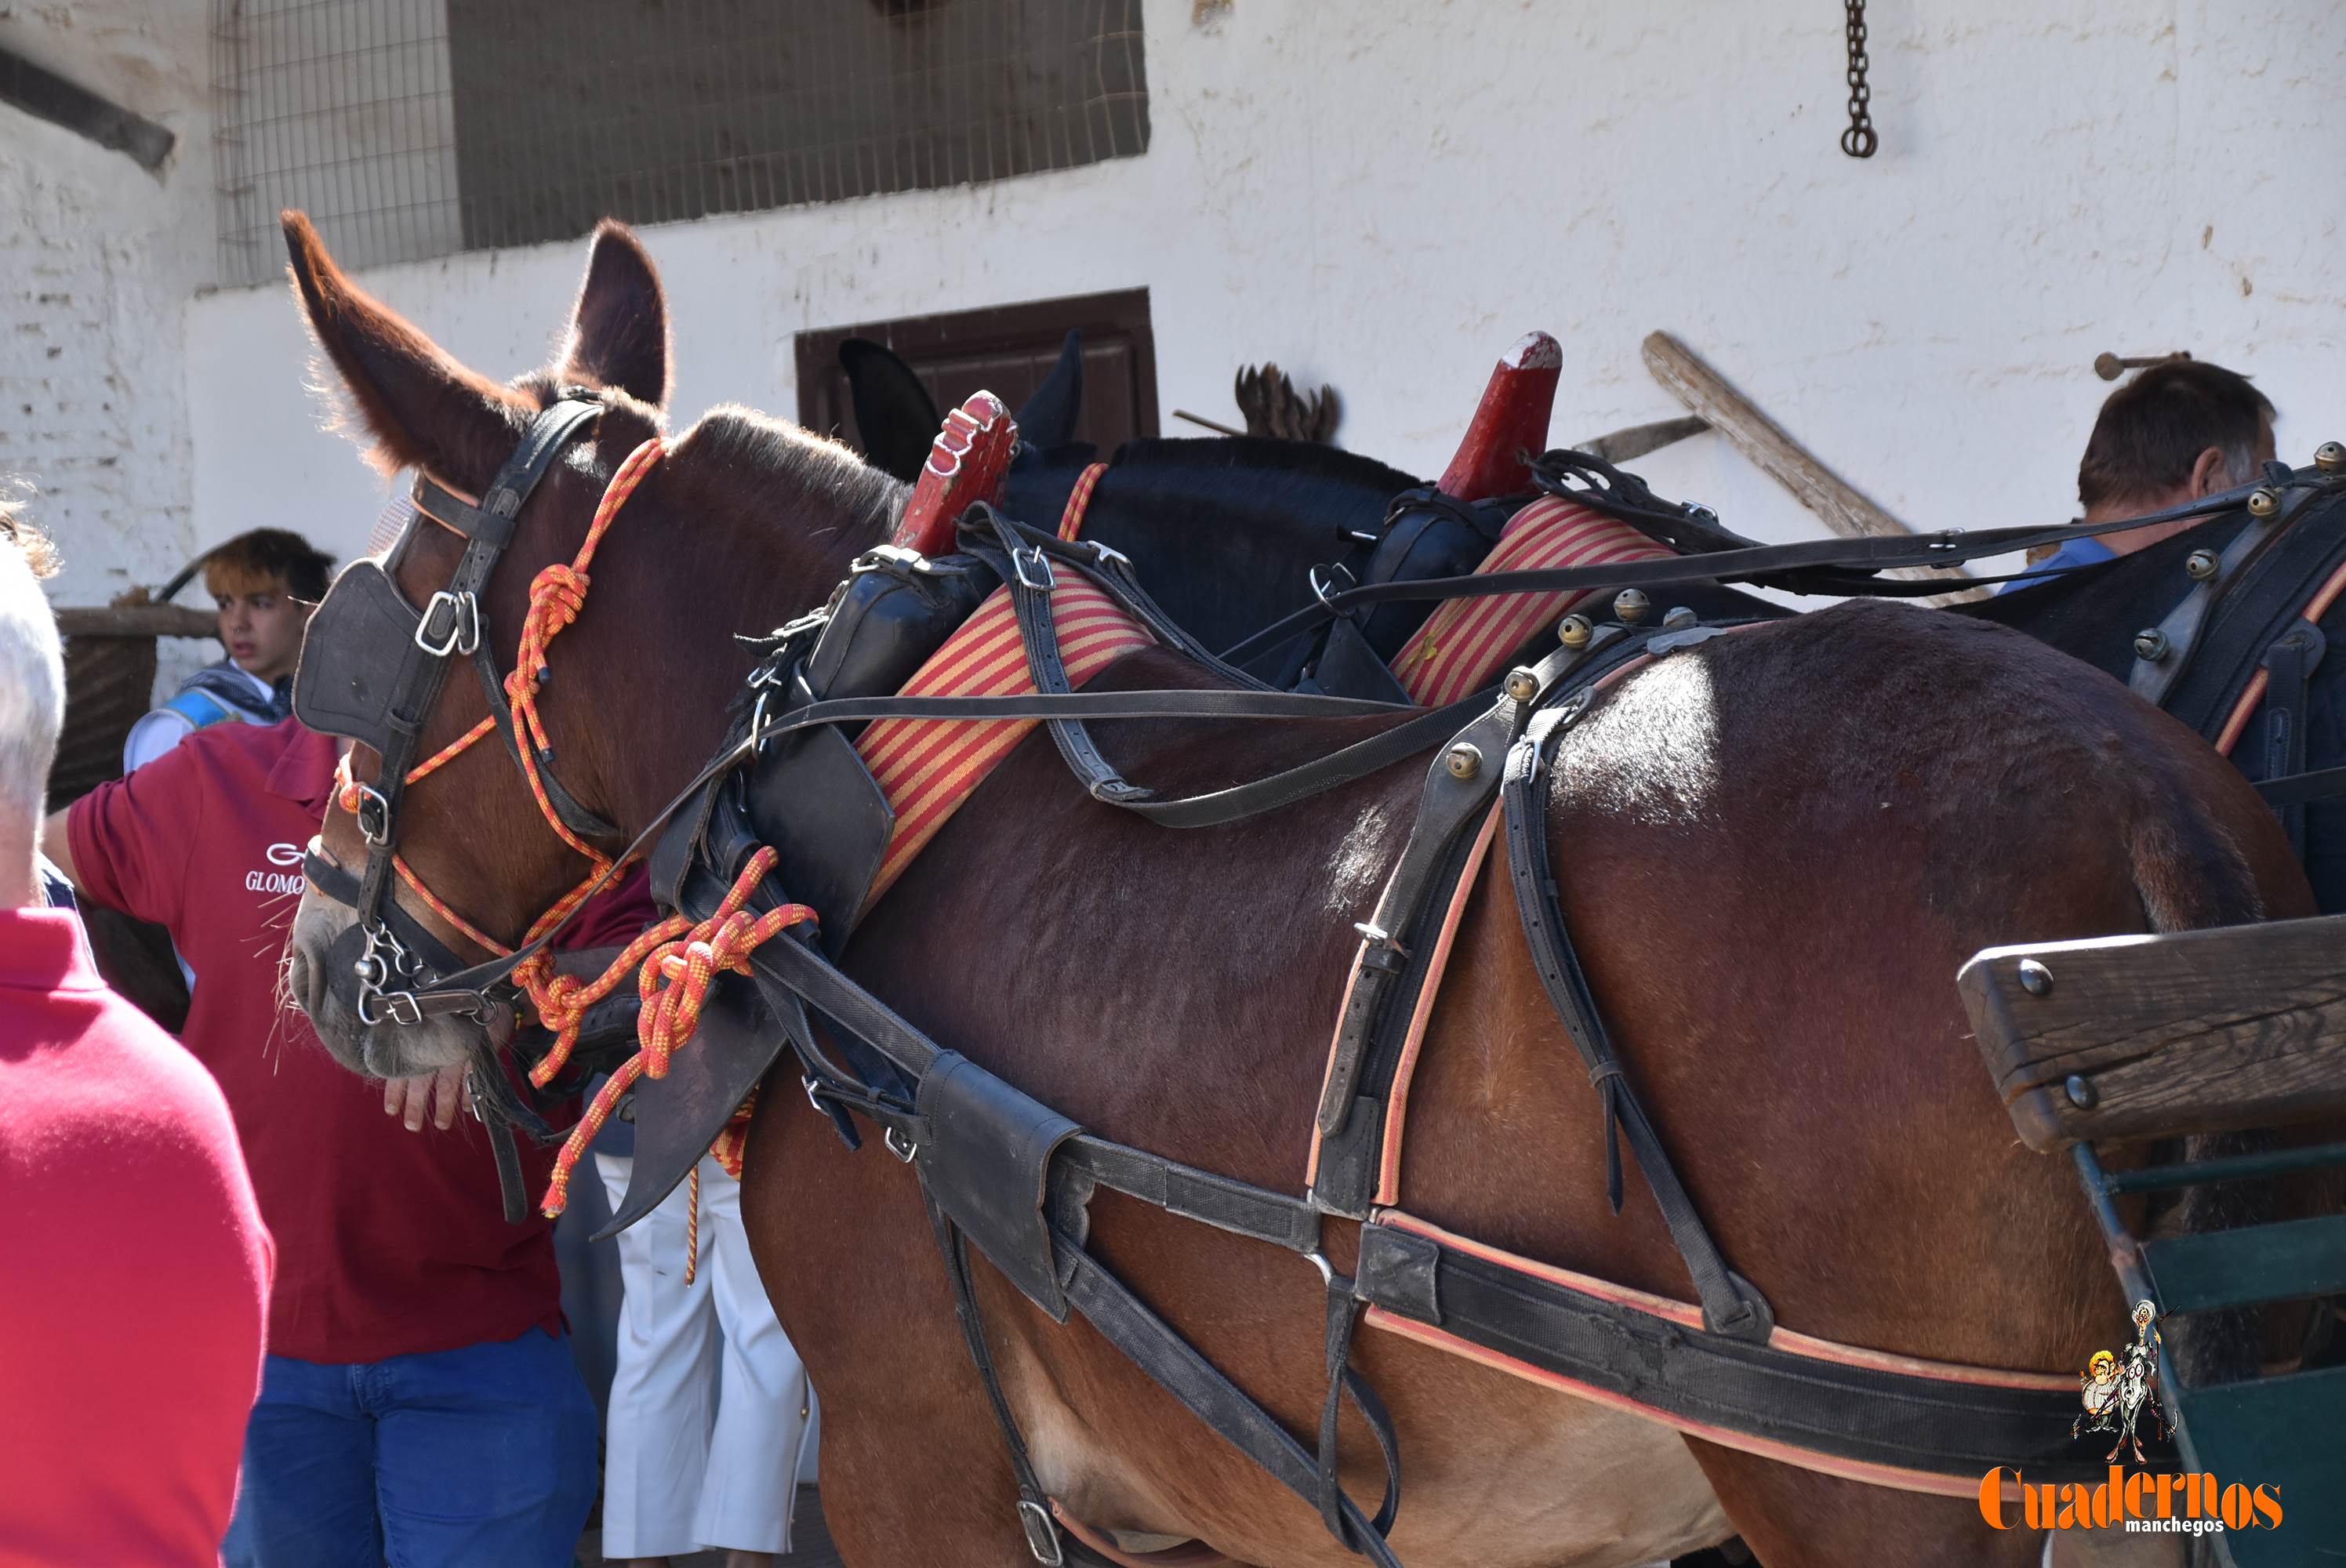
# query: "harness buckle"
(1104, 556)
(461, 633)
(1324, 583)
(1020, 557)
(898, 1145)
(373, 812)
(1042, 1534)
(402, 1007)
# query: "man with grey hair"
(143, 1269)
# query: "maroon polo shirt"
(389, 1242)
(138, 1271)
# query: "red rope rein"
(680, 959)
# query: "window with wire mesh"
(412, 128)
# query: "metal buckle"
(1321, 587)
(404, 1008)
(373, 812)
(1042, 1534)
(1018, 561)
(897, 1145)
(464, 632)
(1103, 555)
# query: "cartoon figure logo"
(2117, 1390)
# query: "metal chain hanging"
(1858, 140)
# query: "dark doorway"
(1005, 350)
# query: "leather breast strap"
(1730, 1306)
(1396, 953)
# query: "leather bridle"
(388, 966)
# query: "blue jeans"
(482, 1455)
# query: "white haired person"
(139, 1271)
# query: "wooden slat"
(1626, 445)
(2197, 1032)
(138, 621)
(2290, 1261)
(1840, 504)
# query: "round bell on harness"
(1630, 607)
(2264, 501)
(2201, 565)
(2331, 457)
(1573, 631)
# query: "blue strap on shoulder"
(199, 708)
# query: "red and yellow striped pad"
(927, 767)
(1464, 644)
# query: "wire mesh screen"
(411, 128)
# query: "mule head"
(636, 688)
(472, 835)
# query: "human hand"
(448, 1090)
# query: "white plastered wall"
(98, 260)
(1382, 196)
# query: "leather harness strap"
(1730, 1303)
(1405, 1275)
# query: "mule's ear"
(619, 330)
(894, 411)
(1048, 418)
(421, 408)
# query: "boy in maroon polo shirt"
(419, 1400)
(138, 1267)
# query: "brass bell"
(1680, 617)
(1630, 607)
(2263, 501)
(2201, 565)
(2329, 456)
(1465, 760)
(1573, 631)
(2150, 644)
(1521, 685)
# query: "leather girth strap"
(1730, 1303)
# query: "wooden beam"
(43, 94)
(2147, 1036)
(1844, 509)
(138, 621)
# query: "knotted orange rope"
(556, 594)
(677, 968)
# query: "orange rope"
(1080, 501)
(674, 983)
(693, 1223)
(557, 595)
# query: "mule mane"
(770, 469)
(1310, 462)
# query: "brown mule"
(1776, 847)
